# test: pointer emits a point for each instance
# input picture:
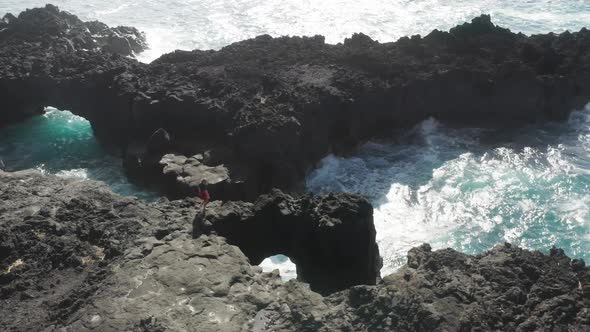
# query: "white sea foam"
(76, 173)
(200, 24)
(111, 10)
(286, 267)
(444, 187)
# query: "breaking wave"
(471, 189)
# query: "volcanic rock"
(269, 109)
(76, 257)
(52, 27)
(330, 238)
(183, 176)
(63, 240)
(50, 57)
(159, 143)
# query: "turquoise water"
(471, 189)
(62, 143)
(468, 189)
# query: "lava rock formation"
(268, 109)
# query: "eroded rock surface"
(269, 109)
(64, 233)
(183, 175)
(57, 29)
(49, 57)
(76, 257)
(330, 238)
(74, 254)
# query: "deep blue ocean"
(468, 189)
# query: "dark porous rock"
(53, 27)
(76, 257)
(269, 109)
(121, 40)
(149, 155)
(134, 37)
(507, 288)
(141, 160)
(49, 57)
(330, 238)
(55, 235)
(117, 44)
(159, 143)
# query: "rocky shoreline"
(76, 257)
(260, 114)
(255, 116)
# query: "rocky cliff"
(252, 116)
(262, 112)
(331, 238)
(50, 57)
(76, 257)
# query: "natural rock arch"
(270, 108)
(330, 238)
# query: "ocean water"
(467, 189)
(190, 24)
(471, 189)
(61, 143)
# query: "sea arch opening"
(286, 268)
(63, 143)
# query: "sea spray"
(428, 186)
(471, 189)
(195, 24)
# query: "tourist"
(204, 193)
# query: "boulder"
(119, 45)
(184, 174)
(135, 38)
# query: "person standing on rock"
(204, 193)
